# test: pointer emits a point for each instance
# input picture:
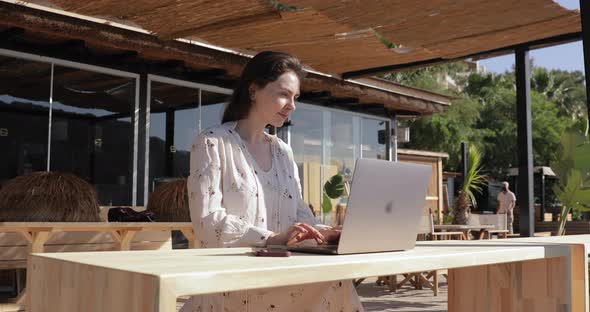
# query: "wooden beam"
(147, 45)
(214, 73)
(314, 95)
(11, 32)
(70, 45)
(341, 100)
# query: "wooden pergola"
(348, 40)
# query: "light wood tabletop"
(90, 226)
(152, 280)
(462, 227)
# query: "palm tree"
(565, 89)
(472, 182)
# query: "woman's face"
(273, 103)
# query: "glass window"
(174, 123)
(24, 116)
(212, 106)
(92, 131)
(326, 143)
(341, 154)
(306, 142)
(371, 147)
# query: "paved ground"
(378, 298)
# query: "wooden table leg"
(544, 285)
(392, 283)
(124, 238)
(482, 234)
(37, 242)
(82, 287)
(357, 282)
(191, 237)
(467, 234)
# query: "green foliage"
(498, 129)
(565, 89)
(430, 78)
(472, 183)
(443, 132)
(283, 7)
(484, 112)
(388, 44)
(333, 189)
(572, 167)
(335, 186)
(474, 180)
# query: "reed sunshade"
(336, 36)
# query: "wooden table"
(541, 274)
(37, 233)
(19, 239)
(465, 228)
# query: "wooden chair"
(450, 235)
(420, 280)
(499, 221)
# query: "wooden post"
(524, 143)
(585, 19)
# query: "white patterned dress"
(234, 203)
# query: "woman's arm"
(213, 226)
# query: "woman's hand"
(331, 235)
(296, 233)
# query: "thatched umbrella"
(169, 202)
(48, 197)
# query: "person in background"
(506, 203)
(244, 190)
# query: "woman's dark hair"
(261, 70)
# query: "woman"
(244, 190)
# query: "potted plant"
(472, 182)
(333, 189)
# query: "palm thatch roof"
(338, 37)
(169, 202)
(48, 197)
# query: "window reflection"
(371, 148)
(92, 132)
(173, 124)
(341, 157)
(306, 142)
(326, 143)
(212, 107)
(24, 116)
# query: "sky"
(566, 57)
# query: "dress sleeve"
(213, 226)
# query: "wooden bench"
(19, 239)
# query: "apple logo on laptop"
(389, 207)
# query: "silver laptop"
(385, 207)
